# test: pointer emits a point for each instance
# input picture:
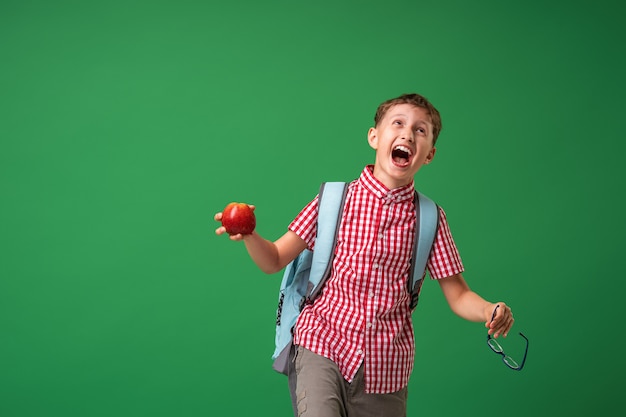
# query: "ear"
(372, 138)
(430, 156)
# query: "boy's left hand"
(500, 319)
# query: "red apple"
(238, 218)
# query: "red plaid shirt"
(363, 312)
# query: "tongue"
(400, 161)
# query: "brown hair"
(416, 100)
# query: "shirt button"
(375, 266)
(380, 235)
(369, 325)
(359, 352)
(371, 294)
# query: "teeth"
(403, 149)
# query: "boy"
(355, 343)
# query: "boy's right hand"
(222, 230)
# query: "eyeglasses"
(495, 346)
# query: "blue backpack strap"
(295, 287)
(427, 223)
(330, 203)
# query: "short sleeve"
(304, 225)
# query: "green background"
(125, 125)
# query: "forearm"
(468, 305)
(271, 257)
(471, 306)
(263, 252)
(463, 301)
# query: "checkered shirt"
(363, 312)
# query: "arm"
(468, 305)
(269, 256)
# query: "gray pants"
(319, 390)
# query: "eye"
(397, 122)
(421, 130)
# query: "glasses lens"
(494, 345)
(510, 362)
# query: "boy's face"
(403, 141)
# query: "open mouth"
(401, 155)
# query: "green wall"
(125, 125)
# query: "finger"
(218, 216)
(220, 230)
(501, 320)
(505, 326)
(508, 327)
(504, 313)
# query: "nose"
(407, 134)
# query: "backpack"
(304, 276)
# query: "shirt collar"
(374, 186)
